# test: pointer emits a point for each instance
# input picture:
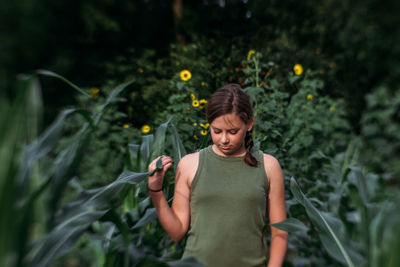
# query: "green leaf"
(357, 178)
(40, 148)
(134, 155)
(114, 93)
(149, 216)
(63, 238)
(321, 222)
(33, 104)
(179, 149)
(204, 141)
(56, 244)
(123, 228)
(180, 85)
(291, 225)
(299, 196)
(66, 166)
(158, 146)
(102, 196)
(84, 216)
(159, 165)
(145, 151)
(52, 74)
(254, 92)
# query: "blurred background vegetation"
(354, 44)
(339, 113)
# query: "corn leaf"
(357, 178)
(115, 92)
(134, 157)
(179, 149)
(322, 224)
(55, 75)
(291, 225)
(145, 151)
(123, 228)
(149, 216)
(63, 238)
(158, 146)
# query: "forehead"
(228, 121)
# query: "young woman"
(223, 193)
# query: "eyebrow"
(232, 129)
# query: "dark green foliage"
(380, 129)
(351, 44)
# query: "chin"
(229, 151)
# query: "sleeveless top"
(227, 211)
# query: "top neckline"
(215, 155)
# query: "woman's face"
(228, 133)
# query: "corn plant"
(358, 224)
(32, 181)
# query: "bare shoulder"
(187, 166)
(271, 160)
(189, 161)
(272, 167)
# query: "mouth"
(224, 147)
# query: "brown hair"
(232, 99)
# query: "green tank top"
(227, 211)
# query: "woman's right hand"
(155, 182)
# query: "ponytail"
(249, 159)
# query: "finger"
(167, 165)
(166, 160)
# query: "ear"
(250, 124)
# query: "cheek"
(240, 137)
(214, 137)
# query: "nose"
(224, 138)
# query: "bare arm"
(276, 211)
(175, 219)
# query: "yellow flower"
(203, 132)
(192, 96)
(202, 103)
(250, 53)
(203, 84)
(195, 137)
(95, 92)
(331, 108)
(195, 124)
(140, 70)
(145, 129)
(205, 126)
(125, 126)
(298, 69)
(186, 75)
(310, 97)
(195, 103)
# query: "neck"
(239, 153)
